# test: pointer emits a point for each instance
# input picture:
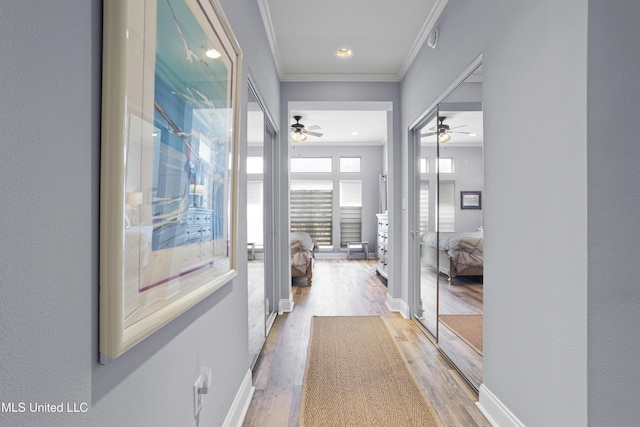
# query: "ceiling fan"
(444, 131)
(299, 132)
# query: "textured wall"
(50, 86)
(535, 196)
(614, 203)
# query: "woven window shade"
(312, 212)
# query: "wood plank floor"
(256, 296)
(349, 288)
(463, 297)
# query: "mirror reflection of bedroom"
(260, 252)
(449, 187)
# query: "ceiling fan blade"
(457, 127)
(314, 133)
(314, 127)
(428, 134)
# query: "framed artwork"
(471, 200)
(170, 120)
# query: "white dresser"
(383, 238)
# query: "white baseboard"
(399, 306)
(285, 306)
(240, 405)
(495, 411)
(342, 255)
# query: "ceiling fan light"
(344, 53)
(444, 137)
(303, 137)
(294, 137)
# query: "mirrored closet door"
(450, 251)
(260, 282)
(426, 185)
(461, 228)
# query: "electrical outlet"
(197, 398)
(200, 388)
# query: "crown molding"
(263, 5)
(428, 26)
(394, 78)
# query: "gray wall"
(561, 292)
(50, 85)
(614, 202)
(561, 263)
(468, 176)
(535, 196)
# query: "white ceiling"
(346, 127)
(384, 35)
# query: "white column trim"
(285, 306)
(399, 306)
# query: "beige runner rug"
(356, 376)
(466, 326)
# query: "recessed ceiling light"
(355, 133)
(344, 53)
(213, 54)
(473, 134)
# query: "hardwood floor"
(257, 318)
(349, 288)
(463, 297)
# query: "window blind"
(350, 212)
(255, 223)
(424, 206)
(446, 210)
(312, 212)
(350, 224)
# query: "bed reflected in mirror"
(461, 228)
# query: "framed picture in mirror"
(471, 200)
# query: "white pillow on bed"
(303, 238)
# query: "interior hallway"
(349, 288)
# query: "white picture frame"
(169, 162)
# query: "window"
(254, 213)
(445, 165)
(254, 165)
(424, 206)
(424, 165)
(312, 210)
(447, 210)
(349, 164)
(350, 212)
(312, 164)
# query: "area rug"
(466, 326)
(356, 376)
